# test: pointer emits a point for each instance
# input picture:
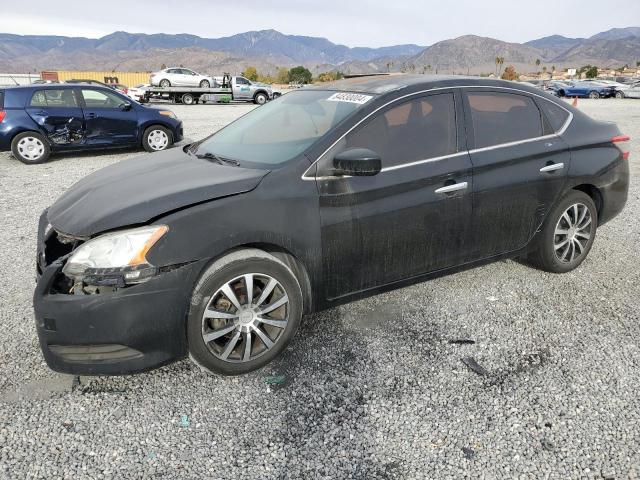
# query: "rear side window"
(556, 115)
(503, 117)
(54, 98)
(415, 130)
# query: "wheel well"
(594, 193)
(291, 261)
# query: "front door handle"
(552, 168)
(92, 115)
(453, 188)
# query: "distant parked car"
(587, 90)
(37, 120)
(632, 92)
(180, 77)
(137, 93)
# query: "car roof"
(382, 84)
(54, 86)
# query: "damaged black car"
(321, 197)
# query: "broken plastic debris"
(471, 363)
(469, 453)
(184, 421)
(492, 298)
(462, 341)
(274, 380)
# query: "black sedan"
(320, 197)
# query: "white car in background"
(137, 93)
(180, 77)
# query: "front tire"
(245, 309)
(205, 84)
(156, 138)
(567, 234)
(30, 148)
(619, 94)
(260, 98)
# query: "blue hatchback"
(37, 120)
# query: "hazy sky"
(375, 23)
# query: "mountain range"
(268, 49)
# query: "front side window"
(242, 81)
(278, 131)
(416, 130)
(54, 98)
(500, 118)
(100, 99)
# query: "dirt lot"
(373, 389)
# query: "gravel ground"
(373, 389)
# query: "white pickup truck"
(225, 86)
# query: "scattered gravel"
(374, 389)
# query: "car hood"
(135, 191)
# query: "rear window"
(53, 98)
(556, 115)
(500, 118)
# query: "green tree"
(250, 73)
(537, 63)
(300, 74)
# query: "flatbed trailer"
(188, 95)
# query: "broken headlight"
(115, 259)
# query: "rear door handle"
(552, 168)
(453, 188)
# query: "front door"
(412, 217)
(107, 118)
(57, 113)
(241, 87)
(519, 168)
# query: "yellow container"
(130, 79)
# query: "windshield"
(278, 131)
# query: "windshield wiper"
(220, 160)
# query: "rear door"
(519, 168)
(108, 120)
(59, 116)
(411, 218)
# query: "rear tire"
(594, 95)
(156, 138)
(241, 340)
(165, 83)
(30, 148)
(567, 234)
(188, 99)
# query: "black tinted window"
(415, 130)
(556, 115)
(503, 117)
(53, 98)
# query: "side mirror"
(357, 162)
(125, 106)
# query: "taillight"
(2, 115)
(622, 139)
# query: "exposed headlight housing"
(115, 259)
(167, 113)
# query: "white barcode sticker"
(349, 97)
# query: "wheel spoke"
(248, 281)
(277, 304)
(247, 346)
(583, 235)
(211, 313)
(578, 245)
(567, 219)
(586, 223)
(584, 213)
(263, 336)
(230, 346)
(231, 296)
(575, 214)
(561, 231)
(218, 333)
(273, 321)
(561, 244)
(566, 252)
(266, 292)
